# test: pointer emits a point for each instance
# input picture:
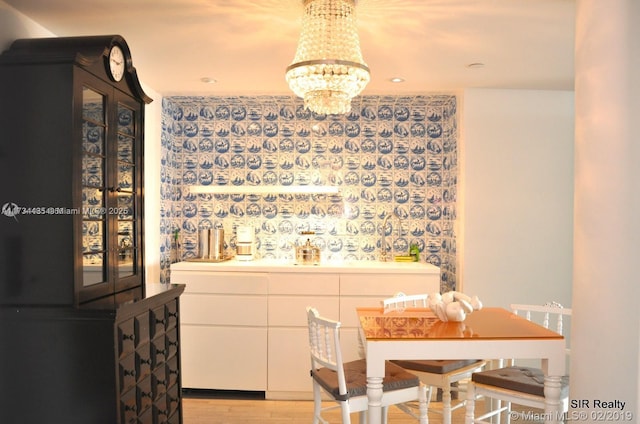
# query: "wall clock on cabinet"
(116, 63)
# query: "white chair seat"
(355, 374)
(521, 379)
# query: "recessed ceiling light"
(396, 79)
(208, 80)
(475, 65)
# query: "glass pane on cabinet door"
(93, 188)
(125, 148)
(126, 248)
(92, 138)
(127, 189)
(93, 254)
(93, 269)
(92, 170)
(92, 106)
(125, 177)
(126, 235)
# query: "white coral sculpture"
(453, 305)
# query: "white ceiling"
(246, 44)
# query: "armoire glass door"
(94, 188)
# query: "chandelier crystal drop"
(328, 69)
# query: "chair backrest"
(324, 345)
(400, 301)
(548, 310)
(545, 314)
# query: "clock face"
(116, 63)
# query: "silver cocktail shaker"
(211, 244)
(217, 243)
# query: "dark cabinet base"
(68, 366)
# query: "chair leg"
(423, 403)
(362, 417)
(446, 404)
(385, 414)
(508, 410)
(317, 402)
(346, 413)
(469, 416)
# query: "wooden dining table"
(490, 333)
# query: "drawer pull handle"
(131, 373)
(128, 337)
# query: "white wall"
(152, 152)
(15, 25)
(605, 356)
(516, 196)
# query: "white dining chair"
(400, 301)
(346, 383)
(441, 374)
(522, 385)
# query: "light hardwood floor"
(232, 411)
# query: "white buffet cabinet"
(244, 326)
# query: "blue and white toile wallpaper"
(390, 155)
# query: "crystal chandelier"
(328, 69)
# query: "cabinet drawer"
(223, 310)
(171, 341)
(221, 282)
(387, 285)
(126, 337)
(172, 371)
(175, 418)
(304, 283)
(160, 411)
(225, 358)
(158, 351)
(129, 408)
(144, 396)
(127, 372)
(159, 381)
(173, 399)
(143, 361)
(142, 328)
(292, 310)
(157, 321)
(289, 361)
(171, 310)
(146, 417)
